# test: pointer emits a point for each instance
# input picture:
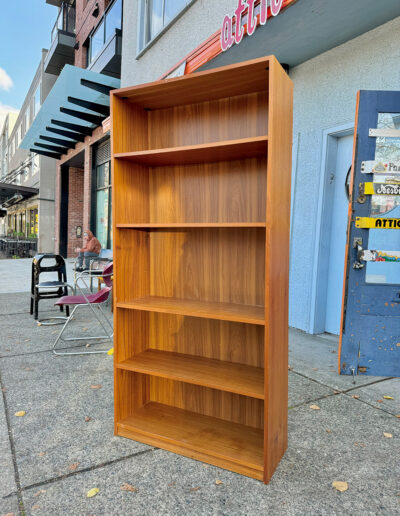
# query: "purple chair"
(92, 301)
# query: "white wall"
(325, 91)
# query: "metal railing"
(65, 20)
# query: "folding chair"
(93, 301)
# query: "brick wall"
(75, 208)
(85, 23)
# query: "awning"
(78, 103)
(11, 194)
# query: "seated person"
(90, 249)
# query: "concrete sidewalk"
(64, 445)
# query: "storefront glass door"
(103, 206)
(370, 340)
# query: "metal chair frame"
(108, 336)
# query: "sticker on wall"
(380, 167)
(380, 188)
(377, 223)
(368, 255)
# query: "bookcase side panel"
(277, 267)
(131, 196)
(129, 126)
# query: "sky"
(25, 28)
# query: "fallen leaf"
(195, 488)
(315, 407)
(387, 435)
(42, 453)
(356, 396)
(39, 324)
(10, 514)
(72, 467)
(85, 329)
(20, 413)
(379, 401)
(92, 492)
(289, 367)
(110, 351)
(340, 486)
(36, 506)
(315, 368)
(87, 419)
(218, 482)
(40, 492)
(96, 386)
(129, 487)
(171, 484)
(328, 430)
(388, 397)
(28, 369)
(398, 416)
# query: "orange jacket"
(92, 244)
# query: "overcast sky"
(25, 27)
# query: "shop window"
(33, 222)
(111, 21)
(155, 15)
(103, 205)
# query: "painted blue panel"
(67, 84)
(371, 334)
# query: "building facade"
(331, 50)
(31, 214)
(85, 56)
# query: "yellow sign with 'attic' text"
(377, 223)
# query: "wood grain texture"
(201, 251)
(199, 153)
(277, 267)
(200, 437)
(206, 309)
(227, 81)
(216, 374)
(210, 338)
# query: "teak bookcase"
(201, 201)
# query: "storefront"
(331, 50)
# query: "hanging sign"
(380, 167)
(379, 256)
(377, 223)
(233, 30)
(380, 188)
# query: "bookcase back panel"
(222, 340)
(220, 265)
(208, 402)
(229, 118)
(227, 191)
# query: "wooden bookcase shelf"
(201, 201)
(202, 153)
(208, 372)
(205, 309)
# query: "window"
(35, 164)
(16, 140)
(36, 102)
(157, 14)
(112, 20)
(103, 205)
(26, 120)
(25, 173)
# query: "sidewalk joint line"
(13, 451)
(84, 470)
